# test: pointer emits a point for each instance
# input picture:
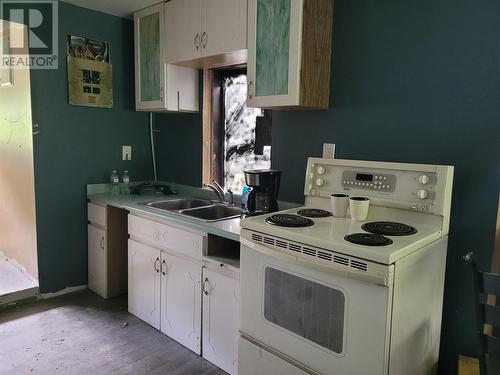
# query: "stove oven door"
(325, 319)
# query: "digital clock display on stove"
(364, 177)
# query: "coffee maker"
(263, 197)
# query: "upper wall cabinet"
(159, 86)
(198, 29)
(289, 53)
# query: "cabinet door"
(274, 30)
(144, 283)
(150, 67)
(183, 23)
(181, 300)
(224, 26)
(97, 260)
(221, 309)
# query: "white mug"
(339, 204)
(359, 208)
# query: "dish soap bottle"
(115, 180)
(126, 181)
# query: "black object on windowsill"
(263, 132)
(150, 187)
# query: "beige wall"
(17, 190)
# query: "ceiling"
(121, 8)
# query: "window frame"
(213, 117)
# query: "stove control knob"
(422, 194)
(321, 170)
(424, 179)
(319, 182)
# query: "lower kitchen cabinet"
(97, 259)
(181, 300)
(107, 249)
(144, 282)
(221, 313)
(165, 292)
(176, 286)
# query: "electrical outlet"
(329, 150)
(126, 152)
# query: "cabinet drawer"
(96, 214)
(253, 359)
(166, 237)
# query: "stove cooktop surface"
(330, 232)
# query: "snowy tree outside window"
(239, 133)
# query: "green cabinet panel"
(272, 47)
(149, 58)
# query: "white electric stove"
(327, 295)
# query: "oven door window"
(308, 309)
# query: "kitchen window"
(240, 137)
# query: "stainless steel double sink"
(197, 208)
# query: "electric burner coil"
(368, 239)
(287, 220)
(389, 228)
(314, 212)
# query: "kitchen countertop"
(229, 228)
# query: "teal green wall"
(181, 132)
(81, 145)
(412, 81)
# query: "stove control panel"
(369, 181)
(416, 187)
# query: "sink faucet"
(219, 191)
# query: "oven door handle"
(341, 271)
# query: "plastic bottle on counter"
(115, 180)
(244, 197)
(126, 182)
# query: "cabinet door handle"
(205, 282)
(102, 242)
(161, 93)
(161, 268)
(156, 268)
(204, 39)
(197, 41)
(249, 88)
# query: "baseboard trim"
(21, 295)
(32, 295)
(67, 290)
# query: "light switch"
(329, 150)
(126, 152)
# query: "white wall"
(17, 188)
